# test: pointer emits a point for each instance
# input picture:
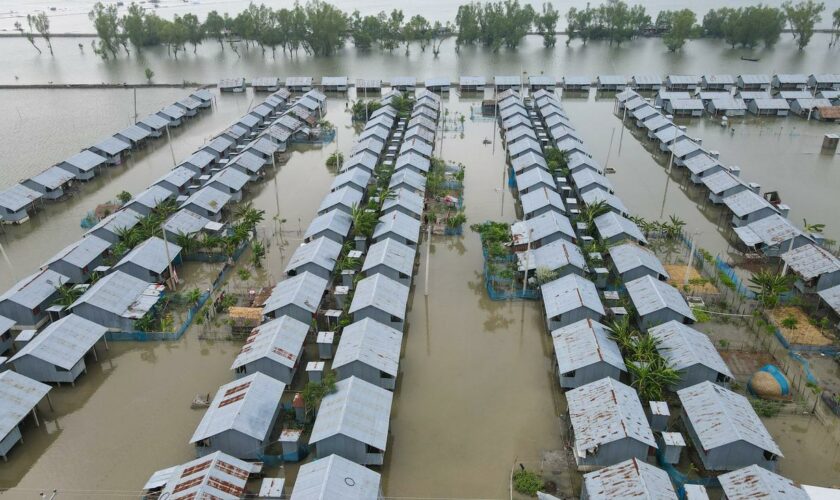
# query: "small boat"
(609, 170)
(751, 59)
(200, 401)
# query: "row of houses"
(19, 201)
(822, 105)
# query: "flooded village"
(602, 273)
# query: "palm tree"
(673, 227)
(211, 242)
(67, 295)
(189, 243)
(129, 236)
(364, 222)
(623, 333)
(768, 286)
(652, 377)
(645, 349)
(592, 211)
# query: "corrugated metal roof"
(391, 254)
(217, 476)
(219, 144)
(356, 175)
(136, 133)
(720, 417)
(185, 222)
(151, 255)
(279, 340)
(407, 199)
(751, 95)
(368, 83)
(298, 81)
(345, 196)
(611, 224)
(831, 296)
(555, 255)
(400, 224)
(231, 178)
(795, 94)
(202, 95)
(288, 121)
(382, 293)
(322, 252)
(720, 79)
(667, 95)
(189, 103)
(629, 256)
(53, 178)
(577, 80)
(152, 196)
(200, 159)
(684, 79)
(18, 196)
(335, 477)
(579, 160)
(668, 134)
(6, 324)
(520, 147)
(337, 221)
(657, 122)
(612, 79)
(86, 160)
(208, 198)
(179, 177)
(249, 121)
(154, 122)
(728, 103)
(308, 103)
(569, 293)
(606, 411)
(685, 147)
(437, 81)
(408, 177)
(583, 344)
(403, 81)
(772, 103)
(755, 79)
(683, 347)
(506, 80)
(595, 195)
(629, 479)
(18, 396)
(417, 146)
(112, 145)
(371, 343)
(515, 120)
(357, 409)
(701, 163)
(231, 82)
(34, 289)
(686, 104)
(371, 145)
(753, 482)
(245, 405)
(569, 144)
(411, 158)
(64, 342)
(719, 182)
(263, 110)
(528, 160)
(420, 133)
(826, 78)
(541, 198)
(746, 202)
(542, 80)
(473, 81)
(812, 102)
(173, 112)
(332, 81)
(510, 108)
(518, 132)
(534, 177)
(82, 252)
(587, 177)
(811, 261)
(265, 81)
(378, 132)
(768, 231)
(117, 221)
(121, 294)
(304, 290)
(541, 226)
(650, 295)
(647, 79)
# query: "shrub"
(790, 322)
(527, 482)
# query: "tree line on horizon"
(320, 28)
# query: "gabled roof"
(335, 477)
(629, 479)
(337, 221)
(647, 80)
(391, 254)
(540, 198)
(406, 199)
(151, 255)
(408, 177)
(364, 159)
(265, 81)
(720, 79)
(583, 344)
(587, 177)
(769, 231)
(755, 79)
(578, 160)
(606, 411)
(179, 176)
(332, 81)
(372, 343)
(18, 396)
(154, 122)
(668, 134)
(371, 145)
(151, 197)
(322, 252)
(173, 111)
(185, 222)
(344, 196)
(595, 195)
(682, 148)
(720, 417)
(753, 482)
(112, 145)
(569, 293)
(416, 146)
(18, 196)
(831, 296)
(34, 289)
(357, 176)
(82, 252)
(279, 340)
(629, 256)
(231, 82)
(810, 261)
(611, 224)
(220, 144)
(230, 177)
(200, 159)
(382, 293)
(298, 81)
(523, 146)
(537, 228)
(719, 182)
(650, 295)
(683, 347)
(555, 255)
(202, 95)
(772, 103)
(208, 198)
(686, 104)
(413, 159)
(118, 221)
(86, 160)
(189, 103)
(746, 202)
(304, 290)
(529, 159)
(472, 81)
(246, 405)
(534, 177)
(121, 294)
(728, 103)
(358, 410)
(64, 342)
(249, 161)
(700, 163)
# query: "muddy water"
(809, 458)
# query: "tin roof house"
(613, 228)
(236, 85)
(541, 201)
(576, 83)
(528, 161)
(369, 351)
(380, 298)
(83, 165)
(413, 161)
(824, 81)
(748, 206)
(265, 83)
(190, 105)
(51, 183)
(217, 475)
(630, 261)
(201, 161)
(559, 256)
(723, 184)
(753, 482)
(541, 230)
(343, 199)
(220, 147)
(353, 422)
(753, 82)
(6, 341)
(727, 106)
(397, 226)
(611, 82)
(682, 82)
(207, 202)
(335, 477)
(248, 162)
(657, 302)
(725, 429)
(646, 82)
(17, 203)
(702, 165)
(598, 194)
(334, 83)
(26, 301)
(230, 181)
(334, 225)
(19, 395)
(134, 135)
(240, 417)
(174, 115)
(534, 180)
(685, 150)
(771, 236)
(472, 83)
(789, 82)
(117, 301)
(608, 424)
(112, 149)
(586, 353)
(154, 124)
(57, 354)
(570, 299)
(299, 83)
(406, 201)
(149, 199)
(691, 353)
(685, 107)
(816, 269)
(177, 180)
(541, 82)
(318, 257)
(392, 259)
(78, 260)
(150, 260)
(806, 106)
(587, 180)
(110, 228)
(717, 82)
(274, 349)
(632, 478)
(768, 107)
(298, 297)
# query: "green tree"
(107, 25)
(314, 392)
(715, 22)
(214, 27)
(546, 24)
(194, 30)
(149, 75)
(366, 30)
(327, 28)
(681, 29)
(768, 287)
(652, 378)
(835, 27)
(802, 17)
(467, 24)
(123, 197)
(28, 34)
(41, 23)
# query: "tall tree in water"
(580, 24)
(107, 26)
(194, 30)
(467, 23)
(214, 27)
(28, 34)
(802, 17)
(546, 24)
(327, 28)
(682, 27)
(835, 26)
(42, 25)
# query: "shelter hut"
(613, 202)
(334, 83)
(379, 133)
(520, 132)
(369, 145)
(217, 476)
(472, 83)
(420, 134)
(663, 96)
(240, 418)
(297, 297)
(824, 81)
(643, 114)
(334, 225)
(753, 482)
(541, 82)
(274, 349)
(418, 147)
(561, 257)
(335, 477)
(77, 260)
(570, 299)
(632, 478)
(201, 161)
(27, 300)
(789, 82)
(587, 180)
(608, 424)
(146, 201)
(236, 85)
(702, 165)
(528, 161)
(19, 396)
(752, 82)
(717, 82)
(380, 298)
(805, 107)
(298, 83)
(83, 165)
(816, 269)
(611, 82)
(51, 183)
(685, 107)
(150, 261)
(507, 82)
(831, 298)
(586, 353)
(407, 179)
(404, 83)
(265, 84)
(437, 84)
(771, 236)
(831, 95)
(727, 106)
(750, 96)
(412, 159)
(691, 353)
(747, 206)
(191, 106)
(399, 227)
(155, 124)
(541, 230)
(685, 149)
(250, 123)
(174, 115)
(392, 259)
(355, 178)
(112, 149)
(768, 107)
(534, 180)
(722, 185)
(263, 148)
(630, 262)
(370, 351)
(117, 300)
(177, 181)
(682, 82)
(363, 160)
(231, 181)
(57, 354)
(353, 422)
(364, 85)
(220, 147)
(646, 83)
(110, 227)
(576, 83)
(318, 257)
(578, 161)
(725, 429)
(523, 147)
(343, 199)
(204, 96)
(207, 202)
(613, 228)
(827, 113)
(656, 124)
(541, 201)
(572, 146)
(17, 202)
(669, 136)
(657, 302)
(792, 95)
